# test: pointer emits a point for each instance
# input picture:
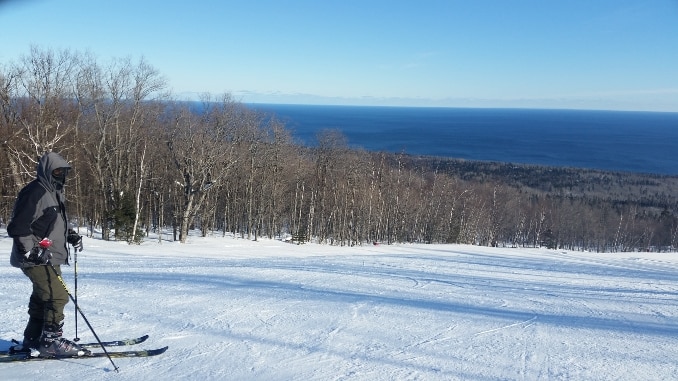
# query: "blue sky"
(585, 54)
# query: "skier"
(39, 212)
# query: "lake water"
(644, 142)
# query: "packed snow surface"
(236, 309)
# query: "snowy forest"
(145, 161)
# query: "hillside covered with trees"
(145, 161)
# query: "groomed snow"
(235, 309)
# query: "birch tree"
(202, 148)
(36, 96)
(117, 107)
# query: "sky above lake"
(581, 54)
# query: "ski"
(113, 343)
(116, 343)
(23, 357)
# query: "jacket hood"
(49, 162)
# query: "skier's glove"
(74, 239)
(38, 256)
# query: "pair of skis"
(5, 356)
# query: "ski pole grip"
(45, 243)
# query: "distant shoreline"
(256, 105)
(620, 141)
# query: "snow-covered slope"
(233, 309)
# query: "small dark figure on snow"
(40, 213)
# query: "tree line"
(144, 161)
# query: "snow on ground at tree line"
(236, 309)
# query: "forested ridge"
(145, 161)
(619, 188)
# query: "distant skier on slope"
(39, 212)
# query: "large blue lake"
(645, 142)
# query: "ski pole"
(103, 347)
(44, 244)
(75, 293)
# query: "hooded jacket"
(39, 212)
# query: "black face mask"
(59, 177)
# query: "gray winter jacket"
(39, 212)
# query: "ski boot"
(31, 339)
(53, 345)
(27, 347)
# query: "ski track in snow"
(234, 309)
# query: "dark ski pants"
(49, 297)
